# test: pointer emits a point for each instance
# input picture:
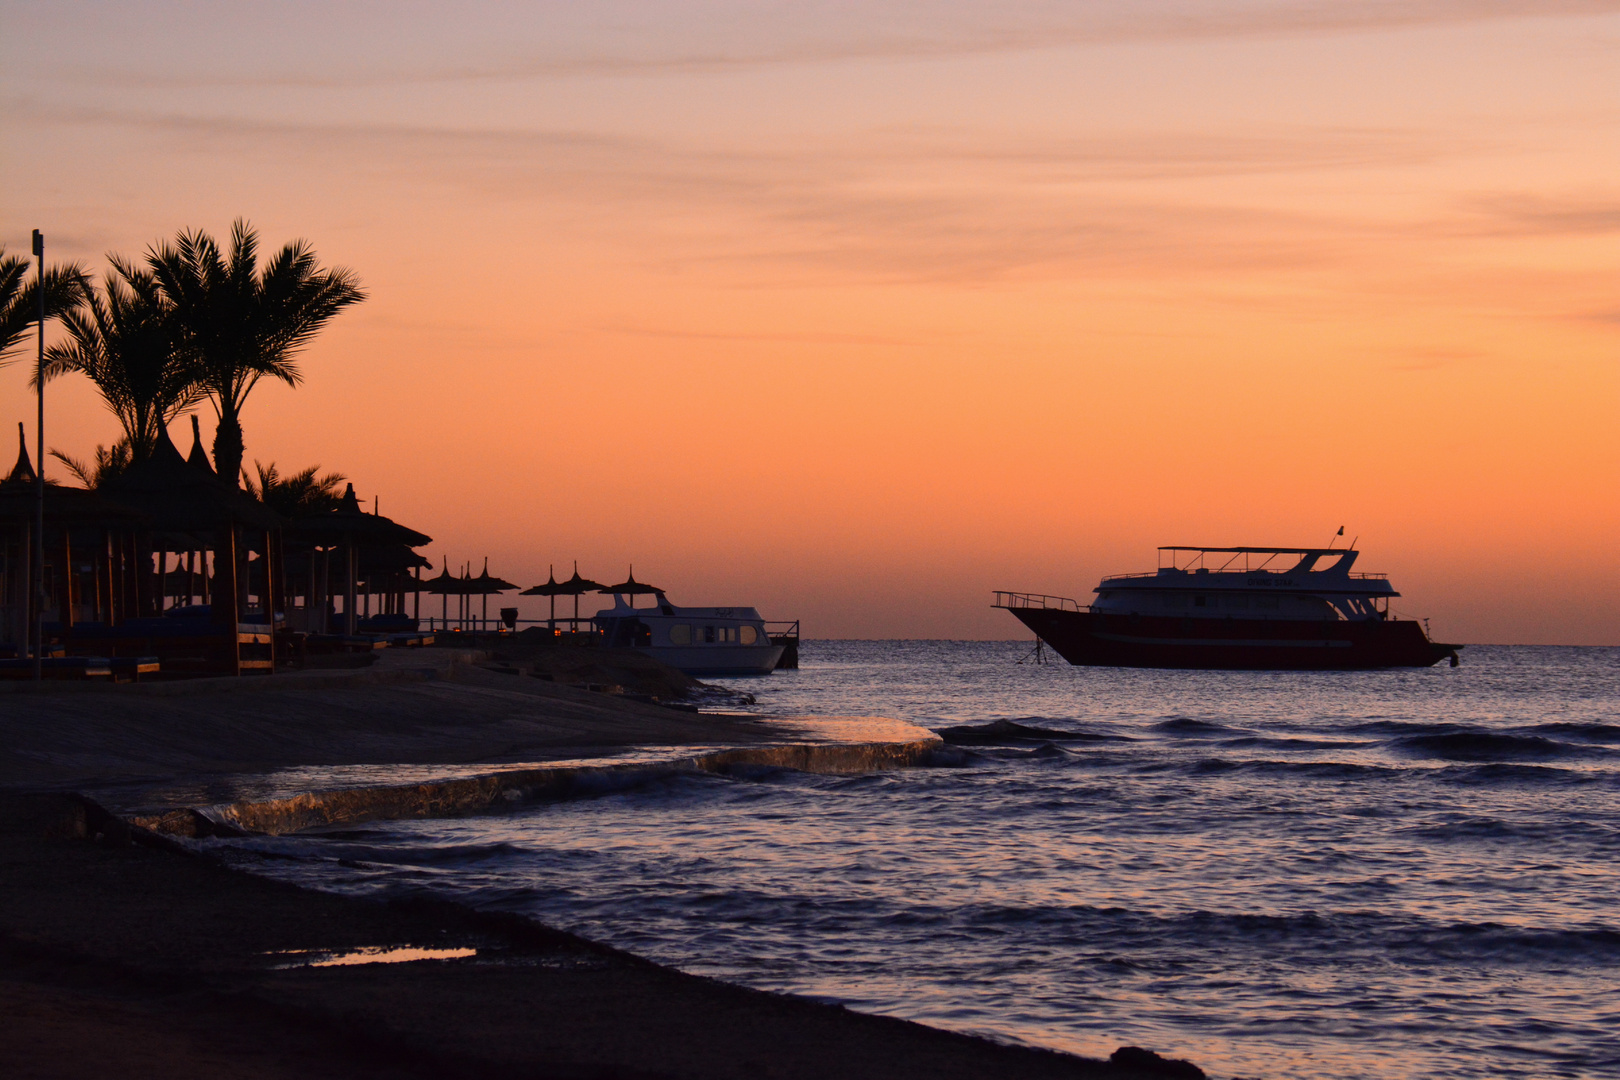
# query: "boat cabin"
(698, 640)
(1250, 583)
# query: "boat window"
(1272, 602)
(708, 635)
(1238, 603)
(749, 635)
(1175, 600)
(680, 634)
(1202, 601)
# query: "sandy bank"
(122, 954)
(134, 961)
(421, 706)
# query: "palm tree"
(126, 341)
(109, 464)
(242, 324)
(301, 494)
(65, 287)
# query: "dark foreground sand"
(121, 956)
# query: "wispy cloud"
(1421, 359)
(939, 205)
(910, 203)
(635, 39)
(1542, 215)
(787, 337)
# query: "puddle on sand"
(380, 954)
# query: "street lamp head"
(39, 243)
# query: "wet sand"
(412, 707)
(121, 954)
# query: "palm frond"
(83, 473)
(242, 322)
(126, 340)
(109, 463)
(66, 287)
(299, 494)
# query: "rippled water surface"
(1382, 874)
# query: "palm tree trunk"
(228, 448)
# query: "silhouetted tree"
(125, 339)
(242, 324)
(109, 464)
(298, 495)
(65, 288)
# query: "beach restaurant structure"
(169, 561)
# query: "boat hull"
(1094, 639)
(699, 660)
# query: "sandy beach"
(123, 953)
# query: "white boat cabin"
(698, 640)
(1250, 583)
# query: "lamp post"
(39, 475)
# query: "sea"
(1390, 874)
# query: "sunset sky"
(858, 311)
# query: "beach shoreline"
(122, 945)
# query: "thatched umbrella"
(67, 509)
(631, 587)
(178, 497)
(486, 586)
(349, 525)
(553, 588)
(576, 587)
(445, 585)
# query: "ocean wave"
(1010, 732)
(1540, 831)
(1410, 727)
(1467, 829)
(1322, 769)
(1186, 725)
(1311, 936)
(1599, 733)
(1328, 770)
(1487, 746)
(1272, 743)
(1510, 773)
(1487, 942)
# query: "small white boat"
(697, 640)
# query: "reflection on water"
(398, 954)
(1388, 874)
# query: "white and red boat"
(1235, 607)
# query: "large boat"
(1235, 607)
(697, 640)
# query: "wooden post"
(67, 581)
(224, 597)
(271, 580)
(350, 596)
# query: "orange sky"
(857, 312)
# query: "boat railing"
(785, 634)
(1012, 600)
(1228, 574)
